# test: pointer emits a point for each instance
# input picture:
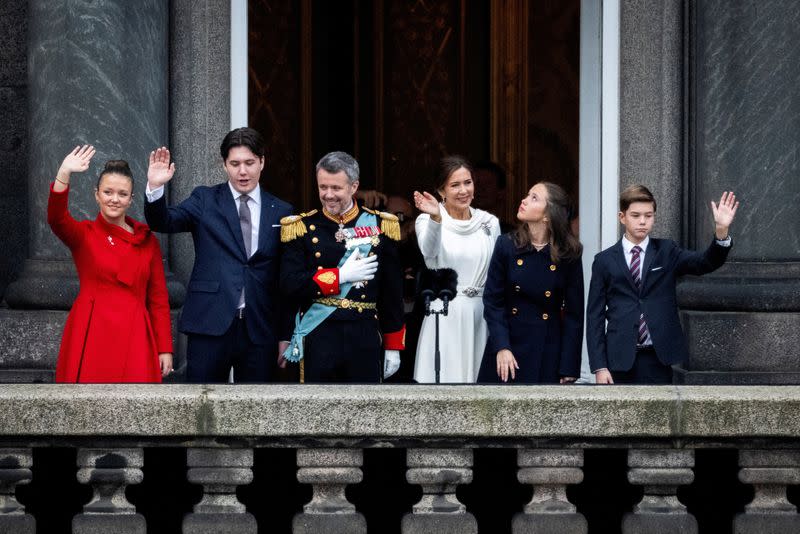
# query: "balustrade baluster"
(549, 471)
(329, 471)
(769, 472)
(660, 471)
(109, 471)
(439, 511)
(15, 470)
(219, 471)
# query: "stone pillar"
(650, 107)
(769, 472)
(660, 471)
(549, 471)
(97, 73)
(439, 471)
(109, 471)
(329, 471)
(742, 321)
(219, 511)
(15, 469)
(200, 111)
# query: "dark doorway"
(399, 83)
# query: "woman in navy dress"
(533, 299)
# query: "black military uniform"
(348, 346)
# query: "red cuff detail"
(328, 281)
(395, 340)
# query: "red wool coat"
(120, 321)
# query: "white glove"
(391, 363)
(356, 269)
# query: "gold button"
(360, 309)
(516, 288)
(513, 311)
(312, 227)
(318, 293)
(547, 293)
(315, 240)
(545, 316)
(552, 267)
(319, 267)
(376, 316)
(317, 254)
(371, 253)
(363, 296)
(520, 262)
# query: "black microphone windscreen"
(447, 281)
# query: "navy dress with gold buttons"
(534, 308)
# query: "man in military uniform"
(341, 265)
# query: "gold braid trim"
(390, 224)
(293, 226)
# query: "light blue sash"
(317, 313)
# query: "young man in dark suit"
(633, 288)
(232, 314)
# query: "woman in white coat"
(453, 235)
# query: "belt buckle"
(470, 291)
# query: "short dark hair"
(335, 162)
(116, 166)
(447, 166)
(246, 137)
(635, 193)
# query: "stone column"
(660, 471)
(744, 117)
(109, 471)
(97, 73)
(15, 469)
(439, 471)
(549, 471)
(769, 472)
(200, 97)
(329, 471)
(219, 511)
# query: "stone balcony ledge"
(395, 412)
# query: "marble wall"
(748, 123)
(13, 141)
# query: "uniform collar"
(346, 217)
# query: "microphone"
(428, 295)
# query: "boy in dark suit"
(233, 315)
(633, 288)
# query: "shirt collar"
(627, 245)
(255, 194)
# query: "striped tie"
(636, 273)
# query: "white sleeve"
(429, 237)
(155, 194)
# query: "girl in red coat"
(119, 327)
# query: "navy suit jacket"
(613, 297)
(221, 267)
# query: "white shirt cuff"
(155, 194)
(724, 242)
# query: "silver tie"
(246, 223)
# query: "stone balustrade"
(440, 428)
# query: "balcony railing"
(551, 428)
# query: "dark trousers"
(647, 369)
(342, 352)
(210, 358)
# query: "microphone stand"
(445, 295)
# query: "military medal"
(340, 235)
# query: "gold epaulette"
(293, 226)
(390, 224)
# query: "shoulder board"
(293, 226)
